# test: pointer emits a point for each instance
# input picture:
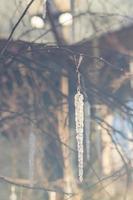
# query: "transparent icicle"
(32, 150)
(79, 122)
(87, 114)
(44, 9)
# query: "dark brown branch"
(54, 27)
(27, 184)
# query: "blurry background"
(38, 80)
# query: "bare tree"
(38, 83)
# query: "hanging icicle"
(32, 149)
(79, 122)
(44, 9)
(13, 195)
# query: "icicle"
(79, 121)
(32, 149)
(87, 129)
(13, 195)
(44, 8)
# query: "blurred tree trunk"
(107, 147)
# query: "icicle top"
(79, 112)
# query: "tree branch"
(25, 183)
(14, 28)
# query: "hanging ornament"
(44, 8)
(79, 123)
(13, 195)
